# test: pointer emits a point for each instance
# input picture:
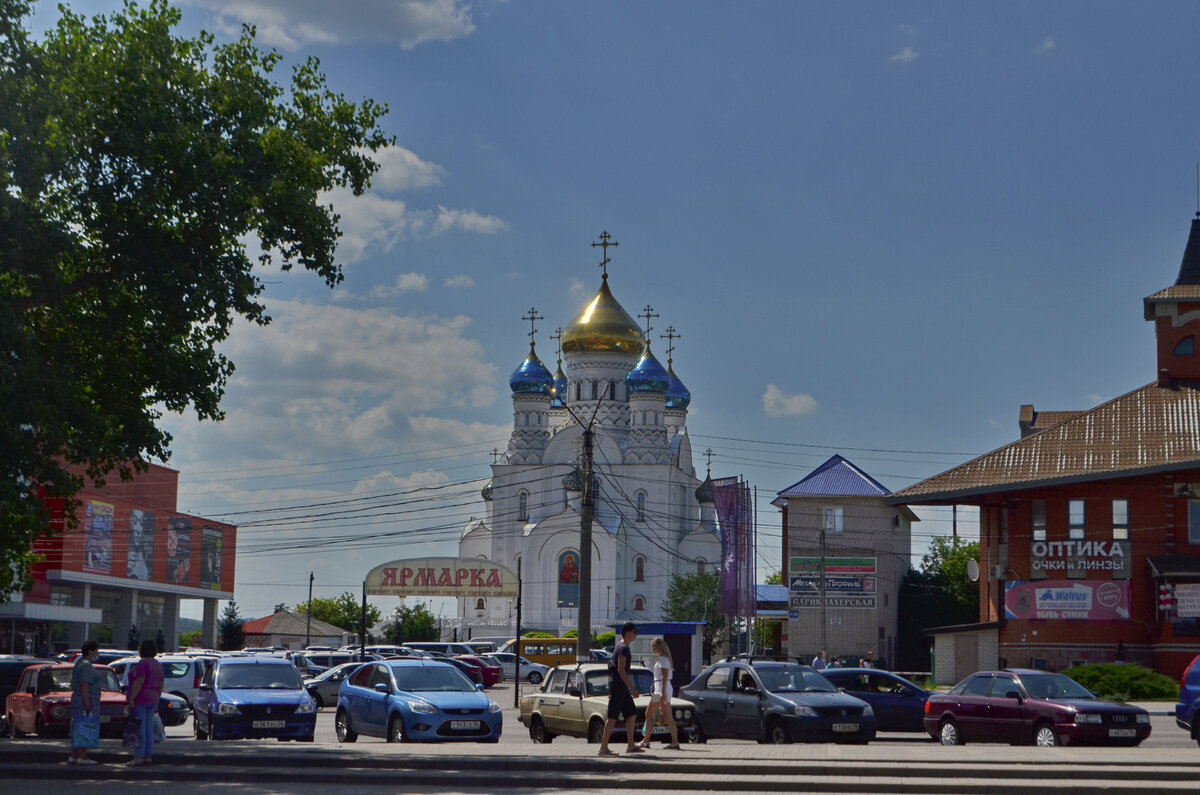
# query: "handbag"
(133, 730)
(85, 731)
(160, 732)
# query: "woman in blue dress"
(85, 696)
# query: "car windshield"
(1054, 686)
(597, 682)
(259, 677)
(793, 679)
(426, 678)
(60, 679)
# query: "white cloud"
(385, 481)
(456, 431)
(1095, 398)
(911, 30)
(400, 169)
(907, 55)
(460, 282)
(290, 24)
(1046, 46)
(430, 224)
(405, 283)
(576, 287)
(777, 403)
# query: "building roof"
(770, 593)
(285, 622)
(836, 477)
(1032, 420)
(1151, 429)
(1187, 284)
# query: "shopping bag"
(133, 728)
(85, 731)
(160, 732)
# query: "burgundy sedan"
(492, 674)
(1023, 707)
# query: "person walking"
(660, 699)
(85, 704)
(621, 694)
(145, 687)
(818, 662)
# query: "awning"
(1175, 565)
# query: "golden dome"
(603, 326)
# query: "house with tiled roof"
(1090, 522)
(845, 551)
(292, 631)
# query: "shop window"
(1075, 520)
(1038, 520)
(833, 520)
(1186, 346)
(1120, 520)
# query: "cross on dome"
(604, 243)
(648, 313)
(532, 317)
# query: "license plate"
(660, 730)
(845, 727)
(1122, 732)
(464, 725)
(268, 724)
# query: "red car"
(492, 674)
(41, 703)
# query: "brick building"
(1089, 518)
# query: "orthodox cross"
(709, 455)
(604, 243)
(648, 313)
(532, 317)
(495, 455)
(557, 337)
(670, 337)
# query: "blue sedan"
(898, 703)
(412, 700)
(253, 697)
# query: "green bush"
(571, 633)
(604, 639)
(536, 634)
(1125, 682)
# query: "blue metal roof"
(837, 477)
(770, 593)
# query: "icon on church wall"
(568, 578)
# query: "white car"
(531, 672)
(181, 673)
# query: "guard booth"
(683, 638)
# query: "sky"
(878, 227)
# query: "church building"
(653, 519)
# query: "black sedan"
(172, 709)
(898, 703)
(775, 702)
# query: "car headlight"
(306, 708)
(1088, 717)
(678, 714)
(228, 709)
(58, 711)
(493, 706)
(868, 712)
(1143, 717)
(422, 707)
(803, 711)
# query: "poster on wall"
(568, 578)
(1187, 600)
(139, 563)
(179, 550)
(210, 557)
(1079, 600)
(98, 525)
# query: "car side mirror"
(841, 690)
(479, 688)
(1013, 694)
(381, 687)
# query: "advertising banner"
(444, 577)
(1078, 600)
(139, 563)
(567, 575)
(1187, 600)
(849, 601)
(731, 498)
(98, 526)
(809, 584)
(210, 557)
(179, 550)
(812, 565)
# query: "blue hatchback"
(253, 697)
(1187, 711)
(411, 700)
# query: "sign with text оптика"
(441, 577)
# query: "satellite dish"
(973, 570)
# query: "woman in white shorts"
(660, 699)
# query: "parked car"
(173, 710)
(411, 700)
(492, 674)
(1187, 711)
(41, 704)
(181, 673)
(573, 702)
(531, 672)
(775, 702)
(448, 649)
(899, 704)
(1022, 707)
(324, 687)
(11, 668)
(473, 672)
(328, 659)
(249, 697)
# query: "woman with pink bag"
(145, 687)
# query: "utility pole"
(587, 509)
(821, 581)
(308, 613)
(517, 644)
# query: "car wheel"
(13, 732)
(595, 730)
(948, 734)
(1045, 736)
(777, 732)
(395, 732)
(537, 731)
(196, 730)
(535, 678)
(696, 735)
(341, 726)
(320, 702)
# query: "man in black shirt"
(621, 694)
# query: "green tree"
(136, 164)
(345, 611)
(411, 623)
(775, 578)
(939, 593)
(230, 636)
(189, 639)
(696, 597)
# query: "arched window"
(1186, 346)
(639, 603)
(595, 389)
(479, 603)
(579, 391)
(639, 569)
(641, 506)
(523, 506)
(700, 564)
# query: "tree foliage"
(774, 578)
(230, 636)
(1125, 682)
(345, 611)
(939, 593)
(136, 166)
(411, 624)
(696, 597)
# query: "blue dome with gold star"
(648, 375)
(558, 394)
(678, 396)
(532, 377)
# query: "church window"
(595, 389)
(639, 603)
(700, 564)
(639, 569)
(1186, 346)
(479, 603)
(612, 390)
(523, 506)
(641, 506)
(579, 391)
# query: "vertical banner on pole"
(731, 498)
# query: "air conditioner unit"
(997, 572)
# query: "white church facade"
(654, 518)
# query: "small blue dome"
(558, 393)
(704, 492)
(486, 491)
(648, 375)
(531, 377)
(678, 396)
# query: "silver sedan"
(324, 687)
(530, 671)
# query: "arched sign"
(441, 577)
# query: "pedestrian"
(866, 661)
(621, 694)
(85, 704)
(818, 662)
(660, 699)
(833, 662)
(145, 687)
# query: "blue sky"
(879, 228)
